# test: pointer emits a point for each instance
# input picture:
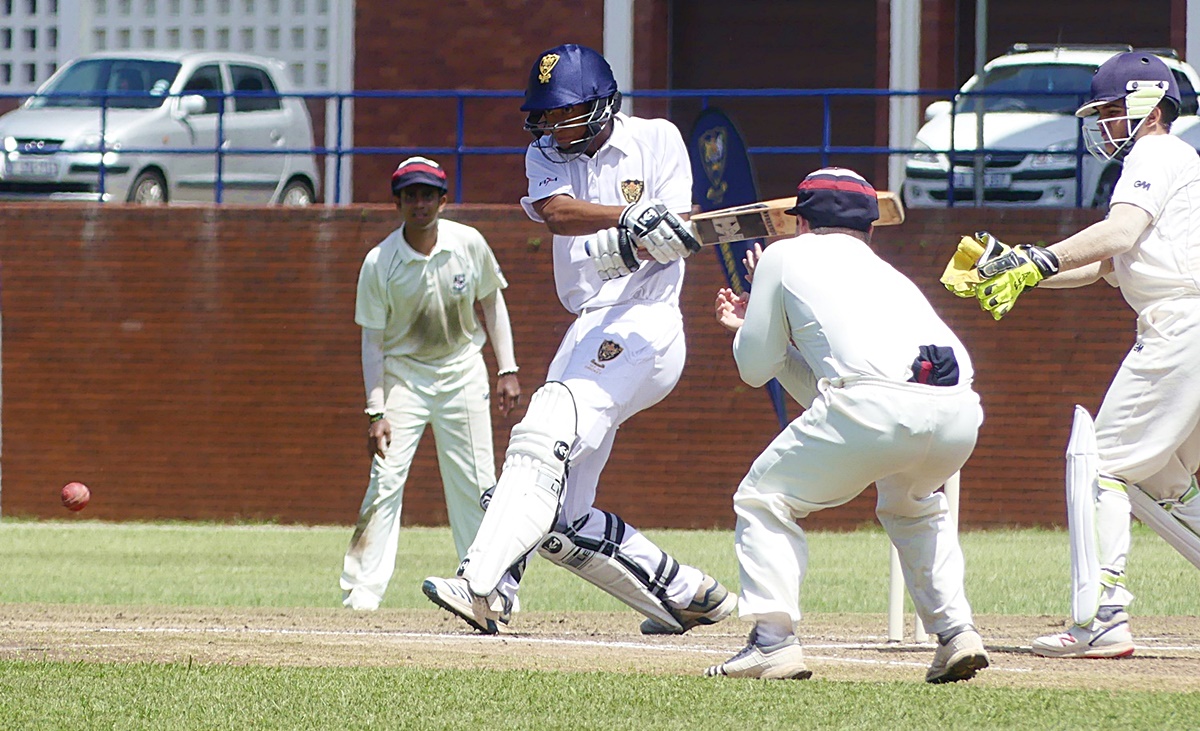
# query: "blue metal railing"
(460, 150)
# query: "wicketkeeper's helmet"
(1141, 80)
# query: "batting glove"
(1007, 276)
(663, 234)
(613, 253)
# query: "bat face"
(767, 218)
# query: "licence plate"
(32, 169)
(990, 180)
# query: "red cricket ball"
(75, 496)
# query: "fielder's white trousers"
(1148, 427)
(607, 391)
(906, 438)
(456, 406)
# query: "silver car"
(143, 127)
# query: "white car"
(1033, 150)
(158, 116)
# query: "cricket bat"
(767, 218)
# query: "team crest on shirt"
(460, 283)
(632, 190)
(608, 350)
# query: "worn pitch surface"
(837, 646)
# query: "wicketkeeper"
(1144, 447)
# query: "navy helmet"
(567, 76)
(1140, 79)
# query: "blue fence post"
(103, 131)
(459, 149)
(337, 151)
(219, 188)
(826, 135)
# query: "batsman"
(1143, 449)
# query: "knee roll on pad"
(525, 500)
(601, 563)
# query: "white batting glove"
(605, 250)
(666, 236)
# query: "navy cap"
(567, 75)
(418, 171)
(838, 198)
(1125, 73)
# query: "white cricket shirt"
(848, 312)
(1162, 177)
(425, 305)
(642, 158)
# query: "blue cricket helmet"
(567, 75)
(1125, 73)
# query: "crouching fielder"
(887, 391)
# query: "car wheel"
(296, 193)
(1104, 189)
(148, 189)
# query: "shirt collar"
(620, 139)
(407, 253)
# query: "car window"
(1030, 88)
(261, 93)
(207, 80)
(1186, 92)
(118, 82)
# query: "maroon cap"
(418, 171)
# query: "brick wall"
(202, 363)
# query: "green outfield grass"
(183, 564)
(1018, 572)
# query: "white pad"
(525, 503)
(1083, 470)
(1166, 525)
(601, 563)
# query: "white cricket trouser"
(906, 438)
(1148, 427)
(456, 405)
(606, 393)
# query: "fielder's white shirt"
(426, 304)
(1162, 177)
(846, 311)
(642, 158)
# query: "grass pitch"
(282, 572)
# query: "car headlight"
(1060, 154)
(10, 144)
(926, 156)
(91, 143)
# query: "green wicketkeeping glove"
(1006, 277)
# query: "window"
(261, 93)
(1186, 93)
(207, 81)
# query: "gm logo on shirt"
(1142, 184)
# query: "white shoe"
(783, 661)
(360, 600)
(958, 659)
(1100, 639)
(455, 596)
(712, 603)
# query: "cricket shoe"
(782, 661)
(1102, 638)
(712, 603)
(959, 659)
(485, 614)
